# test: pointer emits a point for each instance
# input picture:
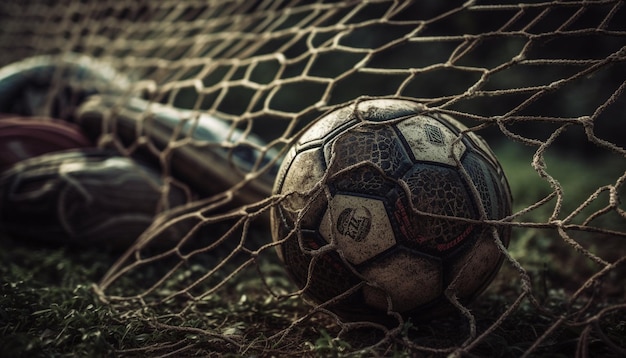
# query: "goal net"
(541, 81)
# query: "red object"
(26, 137)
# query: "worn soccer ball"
(384, 207)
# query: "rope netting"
(543, 80)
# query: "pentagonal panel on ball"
(359, 225)
(305, 172)
(376, 145)
(429, 140)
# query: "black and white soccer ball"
(382, 207)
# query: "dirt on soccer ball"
(385, 209)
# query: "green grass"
(48, 307)
(543, 249)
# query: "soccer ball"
(382, 209)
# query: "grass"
(48, 307)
